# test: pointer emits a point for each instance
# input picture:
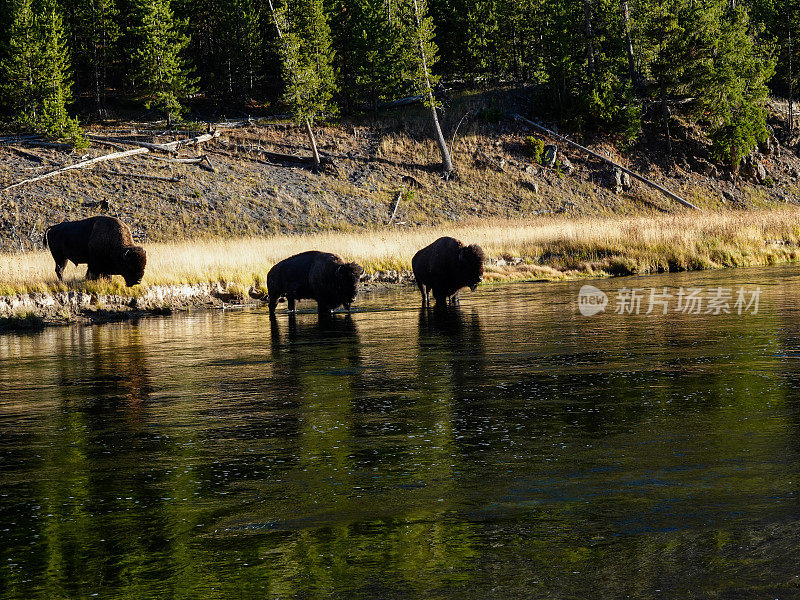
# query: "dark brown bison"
(103, 243)
(314, 275)
(445, 267)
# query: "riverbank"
(216, 273)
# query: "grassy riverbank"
(538, 248)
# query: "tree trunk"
(309, 130)
(665, 117)
(313, 142)
(791, 86)
(587, 12)
(447, 161)
(629, 43)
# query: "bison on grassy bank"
(103, 243)
(445, 267)
(313, 275)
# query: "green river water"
(506, 448)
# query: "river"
(506, 448)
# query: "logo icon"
(591, 300)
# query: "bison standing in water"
(103, 243)
(315, 275)
(445, 267)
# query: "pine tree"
(241, 47)
(730, 85)
(370, 56)
(36, 72)
(307, 61)
(19, 68)
(162, 77)
(422, 57)
(95, 31)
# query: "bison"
(104, 243)
(314, 275)
(445, 267)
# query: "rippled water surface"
(509, 448)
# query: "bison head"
(347, 277)
(134, 260)
(470, 260)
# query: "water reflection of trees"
(461, 452)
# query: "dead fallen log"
(194, 141)
(78, 165)
(201, 161)
(148, 145)
(183, 161)
(113, 156)
(633, 174)
(14, 139)
(169, 147)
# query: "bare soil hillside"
(250, 192)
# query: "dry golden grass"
(550, 248)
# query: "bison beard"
(103, 243)
(314, 275)
(446, 266)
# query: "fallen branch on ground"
(148, 145)
(14, 139)
(184, 161)
(79, 165)
(113, 156)
(633, 174)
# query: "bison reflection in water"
(314, 275)
(105, 244)
(446, 266)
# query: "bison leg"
(290, 299)
(273, 303)
(441, 298)
(61, 264)
(423, 289)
